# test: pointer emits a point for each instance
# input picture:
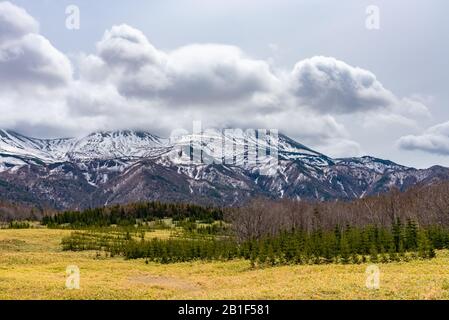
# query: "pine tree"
(344, 250)
(329, 252)
(411, 235)
(397, 233)
(392, 253)
(425, 249)
(373, 254)
(271, 257)
(262, 258)
(383, 256)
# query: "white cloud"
(196, 74)
(412, 107)
(128, 48)
(209, 73)
(27, 59)
(332, 86)
(15, 22)
(32, 61)
(341, 148)
(130, 84)
(328, 85)
(433, 140)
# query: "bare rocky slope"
(128, 166)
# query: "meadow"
(33, 266)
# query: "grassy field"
(32, 266)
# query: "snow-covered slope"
(17, 145)
(240, 148)
(211, 147)
(215, 167)
(117, 144)
(99, 145)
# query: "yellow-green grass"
(160, 234)
(32, 266)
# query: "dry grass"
(32, 266)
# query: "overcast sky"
(311, 69)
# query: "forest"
(386, 228)
(132, 213)
(397, 226)
(403, 242)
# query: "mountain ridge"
(124, 166)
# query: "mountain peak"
(121, 166)
(137, 144)
(124, 133)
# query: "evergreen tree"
(392, 254)
(397, 234)
(383, 255)
(373, 254)
(344, 250)
(411, 235)
(424, 246)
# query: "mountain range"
(106, 168)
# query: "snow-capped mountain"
(215, 167)
(98, 145)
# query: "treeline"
(401, 242)
(191, 229)
(350, 245)
(386, 228)
(428, 206)
(13, 212)
(19, 225)
(132, 214)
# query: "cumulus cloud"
(15, 22)
(27, 58)
(433, 140)
(210, 73)
(128, 83)
(32, 60)
(127, 47)
(329, 85)
(190, 75)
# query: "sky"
(311, 69)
